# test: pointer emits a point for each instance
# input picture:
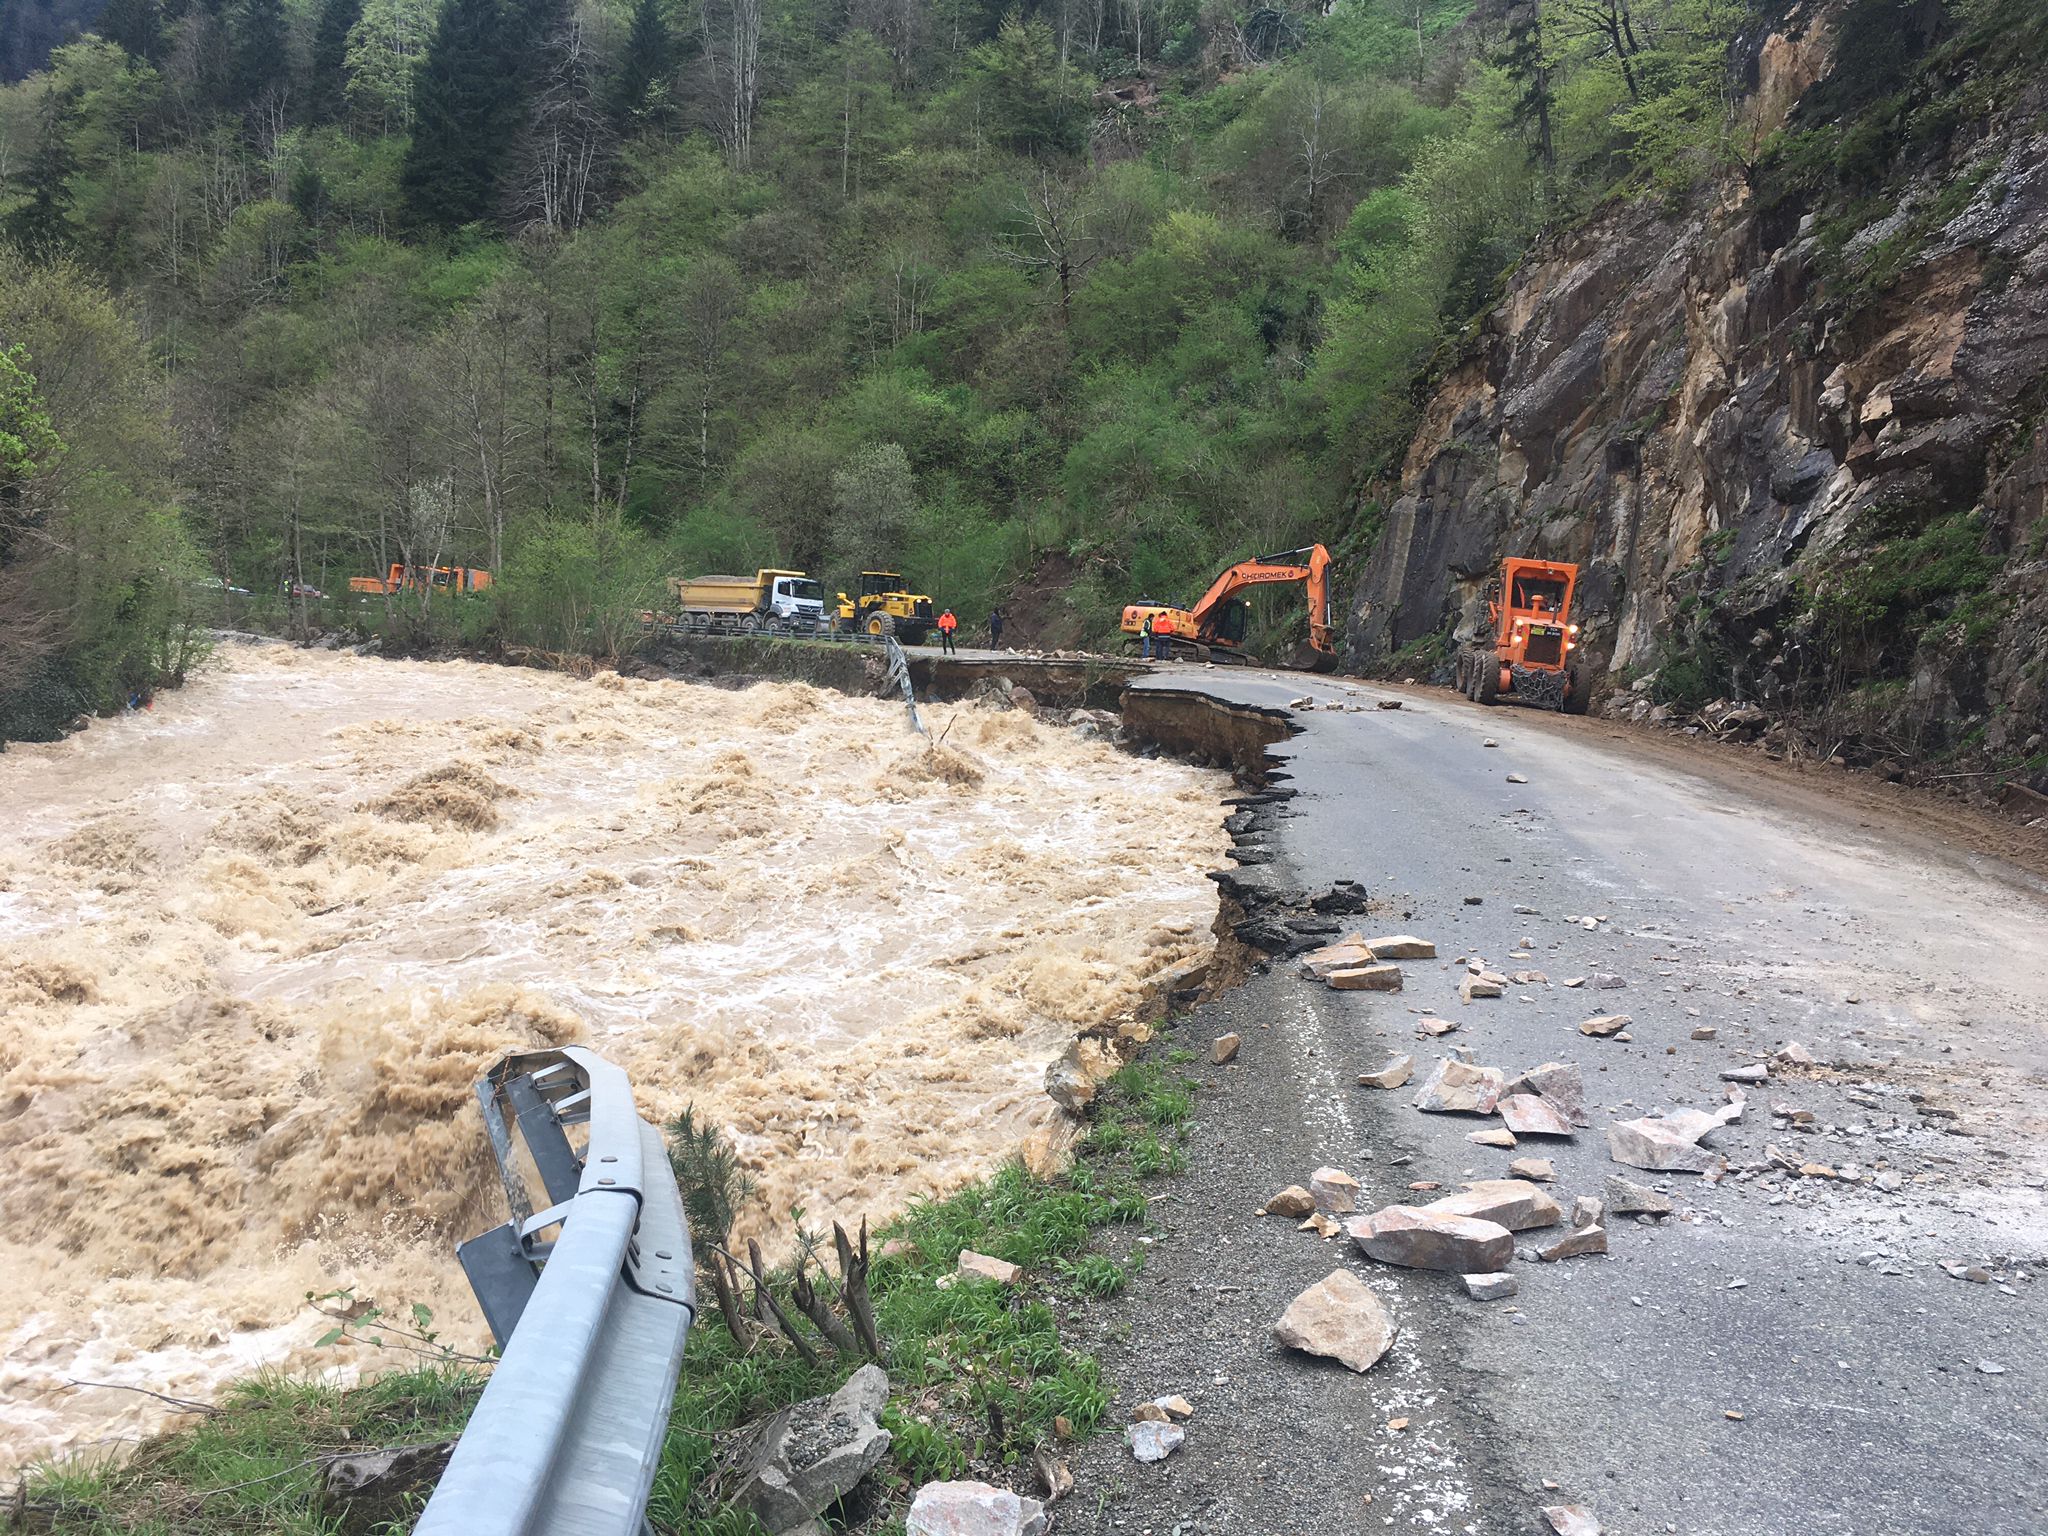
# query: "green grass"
(979, 1372)
(253, 1465)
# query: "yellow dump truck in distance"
(777, 601)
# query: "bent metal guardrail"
(590, 1298)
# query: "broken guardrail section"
(590, 1298)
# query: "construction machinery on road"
(1214, 629)
(1525, 656)
(885, 605)
(770, 601)
(416, 578)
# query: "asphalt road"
(1877, 1393)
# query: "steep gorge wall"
(1791, 435)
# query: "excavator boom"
(1309, 565)
(1215, 625)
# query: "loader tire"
(1576, 699)
(880, 624)
(1485, 680)
(1464, 674)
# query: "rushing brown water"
(256, 945)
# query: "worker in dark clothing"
(995, 628)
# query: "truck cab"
(793, 599)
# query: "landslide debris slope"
(1789, 424)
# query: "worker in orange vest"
(947, 624)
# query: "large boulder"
(973, 1509)
(1453, 1087)
(808, 1457)
(1340, 1317)
(1512, 1203)
(1420, 1239)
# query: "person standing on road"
(995, 629)
(1145, 638)
(947, 624)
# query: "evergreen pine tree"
(259, 59)
(40, 222)
(528, 27)
(136, 25)
(328, 101)
(466, 111)
(643, 70)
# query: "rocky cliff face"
(1791, 432)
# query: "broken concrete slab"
(809, 1456)
(1392, 1075)
(1516, 1204)
(973, 1509)
(1527, 1115)
(1365, 978)
(1338, 1317)
(1584, 1240)
(1421, 1239)
(1225, 1049)
(1154, 1442)
(1606, 1024)
(1559, 1084)
(1334, 1190)
(982, 1266)
(1401, 946)
(1538, 1170)
(1293, 1202)
(1456, 1087)
(1491, 1287)
(1477, 987)
(1625, 1197)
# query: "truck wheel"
(1486, 679)
(749, 624)
(880, 624)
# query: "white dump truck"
(781, 602)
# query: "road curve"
(1875, 1390)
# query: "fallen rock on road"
(1338, 1317)
(1422, 1239)
(1515, 1204)
(1454, 1087)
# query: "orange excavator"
(1213, 630)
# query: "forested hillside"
(1084, 298)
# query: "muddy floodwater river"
(256, 944)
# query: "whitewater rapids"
(256, 944)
